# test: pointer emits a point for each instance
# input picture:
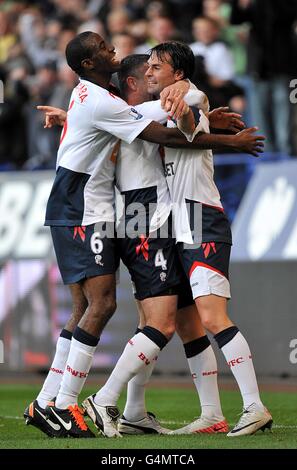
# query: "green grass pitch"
(174, 407)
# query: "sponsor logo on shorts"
(79, 231)
(209, 248)
(143, 247)
(163, 276)
(195, 284)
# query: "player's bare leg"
(213, 313)
(79, 306)
(214, 317)
(159, 313)
(140, 354)
(99, 292)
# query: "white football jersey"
(189, 176)
(83, 191)
(140, 171)
(140, 165)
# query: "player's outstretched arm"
(245, 141)
(53, 116)
(223, 118)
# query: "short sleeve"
(114, 115)
(153, 110)
(197, 98)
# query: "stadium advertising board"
(23, 198)
(265, 227)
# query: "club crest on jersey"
(163, 276)
(98, 260)
(135, 114)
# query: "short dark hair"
(130, 66)
(181, 55)
(78, 49)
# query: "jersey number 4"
(160, 261)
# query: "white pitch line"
(11, 417)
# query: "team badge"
(163, 276)
(98, 260)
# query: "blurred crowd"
(246, 57)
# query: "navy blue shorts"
(152, 262)
(83, 252)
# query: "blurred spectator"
(224, 93)
(42, 145)
(271, 62)
(34, 35)
(160, 29)
(139, 30)
(92, 25)
(117, 21)
(7, 36)
(157, 9)
(65, 36)
(235, 36)
(132, 8)
(183, 11)
(13, 136)
(32, 30)
(218, 64)
(218, 58)
(67, 80)
(71, 12)
(124, 45)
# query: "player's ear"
(179, 75)
(131, 83)
(87, 64)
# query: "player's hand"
(178, 109)
(247, 141)
(173, 94)
(222, 118)
(53, 116)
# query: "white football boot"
(105, 418)
(204, 424)
(253, 418)
(148, 425)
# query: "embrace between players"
(179, 284)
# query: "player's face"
(160, 74)
(142, 84)
(103, 56)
